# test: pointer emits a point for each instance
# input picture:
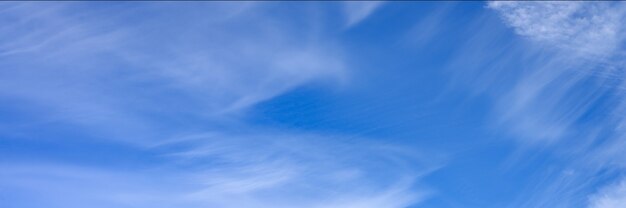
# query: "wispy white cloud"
(565, 91)
(236, 171)
(613, 196)
(357, 11)
(427, 29)
(213, 67)
(541, 86)
(553, 73)
(130, 78)
(589, 28)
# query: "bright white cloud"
(588, 28)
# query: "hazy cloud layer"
(152, 78)
(234, 171)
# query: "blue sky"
(312, 104)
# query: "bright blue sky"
(312, 104)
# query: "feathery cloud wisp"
(213, 69)
(357, 11)
(572, 69)
(593, 29)
(610, 197)
(236, 171)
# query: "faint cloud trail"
(357, 11)
(575, 68)
(137, 77)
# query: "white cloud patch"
(613, 196)
(561, 84)
(588, 28)
(543, 86)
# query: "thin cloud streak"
(571, 67)
(139, 82)
(358, 11)
(201, 65)
(236, 171)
